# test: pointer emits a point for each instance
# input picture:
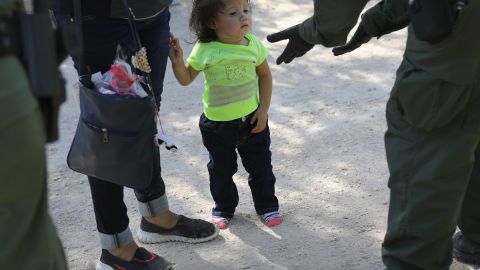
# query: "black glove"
(296, 46)
(359, 38)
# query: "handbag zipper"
(106, 131)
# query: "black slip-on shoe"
(186, 230)
(143, 260)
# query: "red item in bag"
(122, 82)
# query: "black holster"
(432, 20)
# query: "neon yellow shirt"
(231, 80)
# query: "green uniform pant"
(28, 239)
(433, 153)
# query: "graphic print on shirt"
(234, 72)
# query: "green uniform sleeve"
(331, 22)
(386, 17)
(25, 222)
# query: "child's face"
(233, 22)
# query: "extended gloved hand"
(359, 38)
(296, 46)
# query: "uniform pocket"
(428, 103)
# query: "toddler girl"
(238, 89)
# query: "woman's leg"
(101, 38)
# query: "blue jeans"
(101, 37)
(222, 139)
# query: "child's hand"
(261, 118)
(175, 52)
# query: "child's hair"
(203, 12)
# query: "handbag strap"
(77, 13)
(133, 26)
(138, 46)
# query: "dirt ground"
(327, 124)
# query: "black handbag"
(114, 140)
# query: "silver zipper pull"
(105, 135)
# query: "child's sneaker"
(220, 222)
(272, 219)
(143, 260)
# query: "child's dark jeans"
(221, 140)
